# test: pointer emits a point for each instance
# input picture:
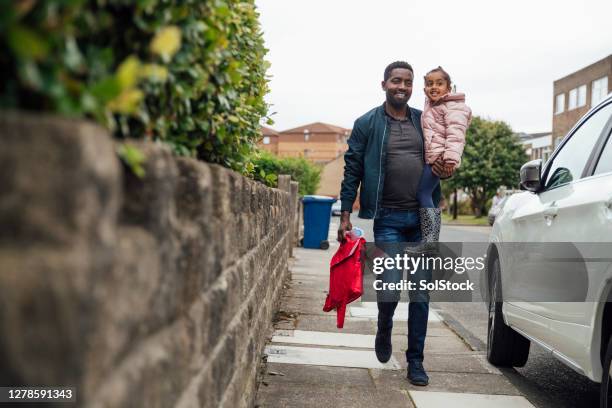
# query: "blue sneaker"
(417, 374)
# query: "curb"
(464, 334)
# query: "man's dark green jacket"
(365, 162)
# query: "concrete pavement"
(311, 363)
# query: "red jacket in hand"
(345, 284)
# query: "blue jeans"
(427, 184)
(393, 229)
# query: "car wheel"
(605, 393)
(505, 347)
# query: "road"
(545, 381)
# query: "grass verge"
(464, 219)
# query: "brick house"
(576, 93)
(269, 140)
(537, 145)
(317, 142)
(331, 179)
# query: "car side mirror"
(531, 174)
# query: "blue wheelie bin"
(317, 214)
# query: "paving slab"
(460, 363)
(448, 346)
(303, 306)
(285, 324)
(323, 280)
(309, 256)
(313, 271)
(314, 306)
(443, 343)
(327, 357)
(276, 395)
(290, 374)
(309, 285)
(426, 399)
(359, 325)
(316, 294)
(318, 338)
(304, 276)
(446, 382)
(328, 323)
(401, 313)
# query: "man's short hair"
(396, 64)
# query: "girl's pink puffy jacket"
(444, 124)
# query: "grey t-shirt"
(403, 166)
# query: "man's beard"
(396, 104)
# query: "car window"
(569, 163)
(604, 165)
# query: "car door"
(571, 208)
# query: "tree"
(492, 158)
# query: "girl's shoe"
(431, 221)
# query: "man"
(385, 158)
(496, 198)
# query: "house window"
(581, 95)
(559, 103)
(266, 140)
(573, 99)
(599, 90)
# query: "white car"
(568, 201)
(495, 209)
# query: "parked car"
(568, 200)
(495, 209)
(336, 207)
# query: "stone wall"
(152, 292)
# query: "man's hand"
(442, 170)
(345, 225)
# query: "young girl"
(445, 120)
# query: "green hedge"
(189, 72)
(268, 166)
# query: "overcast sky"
(328, 57)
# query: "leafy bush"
(189, 72)
(267, 167)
